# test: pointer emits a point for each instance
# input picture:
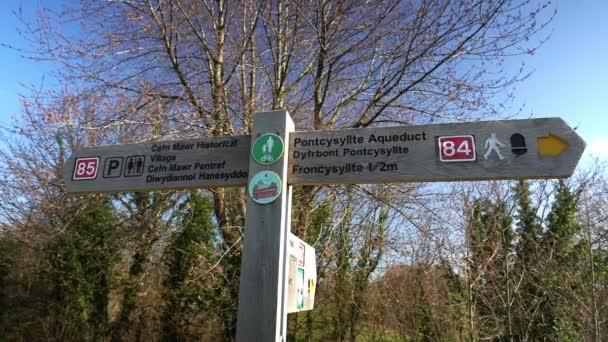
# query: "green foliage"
(320, 220)
(561, 277)
(8, 252)
(562, 226)
(78, 274)
(528, 266)
(191, 241)
(9, 286)
(529, 228)
(455, 311)
(490, 236)
(490, 241)
(524, 280)
(145, 209)
(421, 315)
(185, 247)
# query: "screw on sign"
(85, 168)
(456, 148)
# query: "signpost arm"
(262, 300)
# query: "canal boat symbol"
(265, 190)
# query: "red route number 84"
(85, 168)
(457, 148)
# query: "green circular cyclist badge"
(265, 187)
(267, 149)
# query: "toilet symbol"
(492, 145)
(140, 164)
(518, 144)
(134, 166)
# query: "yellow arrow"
(551, 145)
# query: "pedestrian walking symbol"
(267, 149)
(134, 166)
(492, 144)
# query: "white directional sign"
(507, 149)
(200, 163)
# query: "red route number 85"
(457, 148)
(85, 168)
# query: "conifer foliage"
(490, 241)
(77, 273)
(193, 240)
(561, 275)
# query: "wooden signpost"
(508, 149)
(278, 277)
(200, 163)
(262, 314)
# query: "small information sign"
(265, 187)
(267, 149)
(198, 163)
(483, 150)
(85, 168)
(302, 275)
(457, 148)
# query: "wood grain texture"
(421, 163)
(199, 163)
(342, 156)
(262, 302)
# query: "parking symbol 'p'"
(112, 167)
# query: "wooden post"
(262, 312)
(508, 149)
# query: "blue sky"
(570, 77)
(17, 71)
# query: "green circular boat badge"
(265, 187)
(267, 149)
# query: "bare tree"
(163, 69)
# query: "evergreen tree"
(490, 241)
(529, 229)
(7, 263)
(78, 273)
(456, 308)
(147, 210)
(561, 274)
(10, 289)
(528, 266)
(187, 245)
